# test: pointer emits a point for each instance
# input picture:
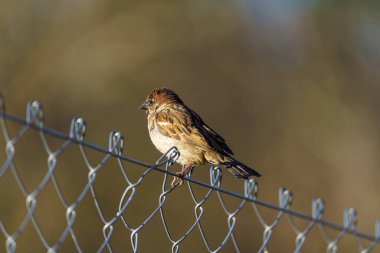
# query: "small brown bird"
(172, 123)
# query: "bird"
(172, 123)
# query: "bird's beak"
(144, 106)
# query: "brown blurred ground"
(293, 87)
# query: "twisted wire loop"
(172, 155)
(318, 207)
(34, 121)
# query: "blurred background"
(293, 86)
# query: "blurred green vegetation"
(292, 85)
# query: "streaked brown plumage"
(172, 123)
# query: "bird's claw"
(178, 180)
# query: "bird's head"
(158, 98)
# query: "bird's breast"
(162, 142)
(188, 153)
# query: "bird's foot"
(178, 180)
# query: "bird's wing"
(187, 126)
(211, 135)
(178, 125)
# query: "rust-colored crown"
(164, 95)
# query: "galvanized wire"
(35, 122)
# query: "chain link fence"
(110, 224)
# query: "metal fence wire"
(35, 122)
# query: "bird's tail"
(239, 169)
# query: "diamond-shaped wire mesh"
(122, 220)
